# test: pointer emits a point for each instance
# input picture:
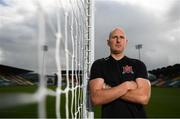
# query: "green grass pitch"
(164, 103)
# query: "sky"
(153, 23)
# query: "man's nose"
(118, 39)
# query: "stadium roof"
(166, 70)
(8, 70)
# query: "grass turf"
(165, 102)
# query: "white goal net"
(71, 29)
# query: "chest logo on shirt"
(127, 69)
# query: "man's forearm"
(136, 96)
(101, 94)
(140, 95)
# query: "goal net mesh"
(70, 28)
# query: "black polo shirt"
(115, 72)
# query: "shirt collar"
(112, 59)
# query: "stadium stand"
(16, 76)
(166, 76)
(12, 76)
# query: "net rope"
(72, 54)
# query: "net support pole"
(88, 113)
(91, 59)
(42, 64)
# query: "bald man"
(119, 83)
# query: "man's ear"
(108, 42)
(126, 42)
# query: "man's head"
(117, 41)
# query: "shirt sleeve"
(96, 70)
(141, 71)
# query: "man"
(119, 83)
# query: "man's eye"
(115, 37)
(122, 37)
